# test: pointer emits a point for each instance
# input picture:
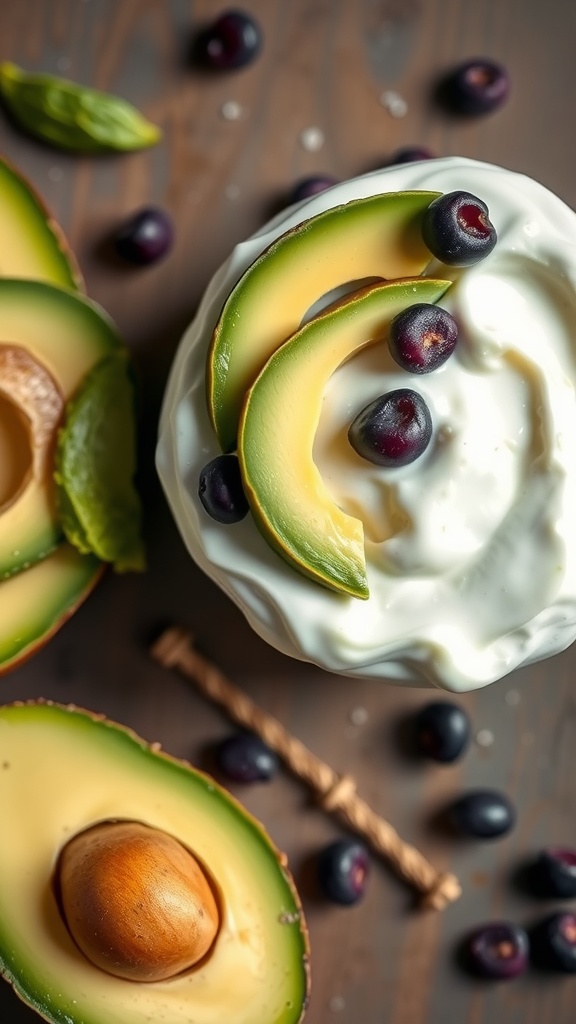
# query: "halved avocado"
(36, 603)
(33, 245)
(287, 495)
(375, 237)
(95, 772)
(59, 336)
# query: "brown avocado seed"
(136, 902)
(31, 409)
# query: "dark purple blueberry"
(554, 872)
(311, 186)
(442, 731)
(457, 229)
(477, 86)
(483, 814)
(244, 757)
(422, 337)
(220, 490)
(145, 237)
(553, 942)
(232, 41)
(498, 950)
(393, 430)
(342, 870)
(410, 154)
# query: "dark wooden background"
(325, 64)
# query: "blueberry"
(442, 731)
(553, 942)
(482, 813)
(410, 154)
(498, 950)
(220, 490)
(311, 186)
(457, 229)
(342, 870)
(422, 337)
(232, 41)
(393, 430)
(145, 237)
(553, 872)
(244, 757)
(476, 86)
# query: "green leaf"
(72, 116)
(95, 464)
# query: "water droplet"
(232, 111)
(312, 139)
(512, 698)
(358, 716)
(395, 104)
(484, 737)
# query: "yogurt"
(471, 549)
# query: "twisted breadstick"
(335, 793)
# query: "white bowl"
(478, 575)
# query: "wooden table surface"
(325, 64)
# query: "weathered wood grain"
(325, 64)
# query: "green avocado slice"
(93, 770)
(63, 335)
(36, 603)
(365, 238)
(289, 500)
(33, 245)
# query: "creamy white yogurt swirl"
(471, 549)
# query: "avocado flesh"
(68, 335)
(375, 237)
(287, 495)
(33, 246)
(34, 604)
(93, 770)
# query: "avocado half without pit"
(134, 887)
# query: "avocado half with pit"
(33, 244)
(377, 237)
(202, 921)
(50, 339)
(289, 500)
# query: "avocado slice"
(289, 500)
(96, 771)
(375, 237)
(51, 338)
(36, 603)
(33, 244)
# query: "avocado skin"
(97, 770)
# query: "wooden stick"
(335, 793)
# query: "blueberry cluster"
(441, 731)
(502, 949)
(396, 428)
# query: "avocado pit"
(136, 901)
(31, 408)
